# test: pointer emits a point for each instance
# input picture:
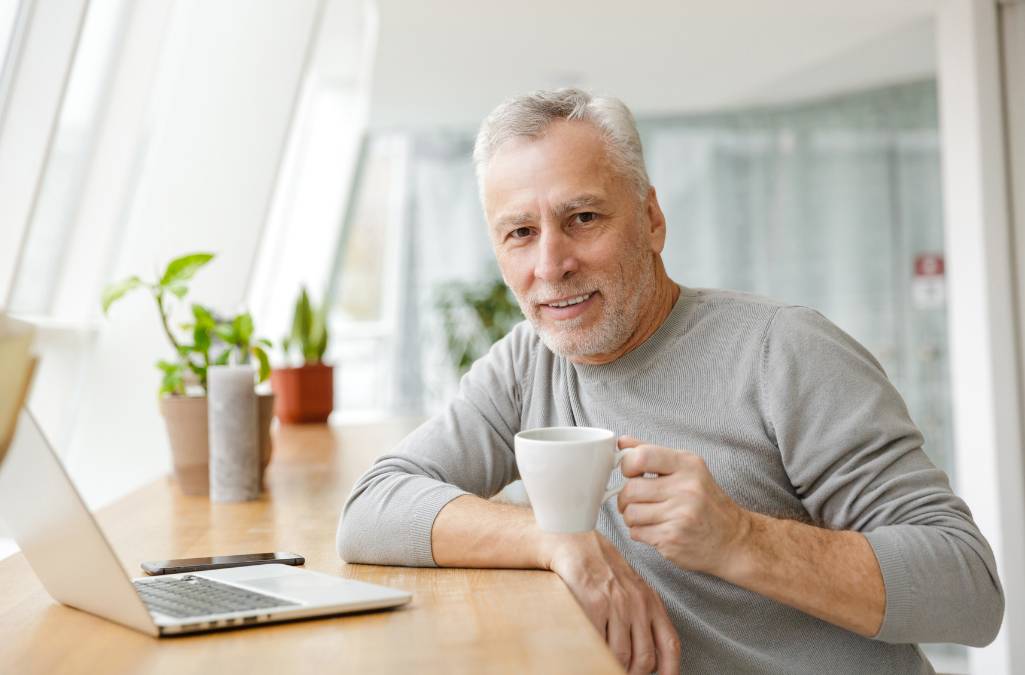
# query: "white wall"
(660, 56)
(985, 364)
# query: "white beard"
(623, 301)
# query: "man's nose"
(556, 259)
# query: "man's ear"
(656, 222)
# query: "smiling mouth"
(569, 302)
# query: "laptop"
(69, 553)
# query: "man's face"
(573, 241)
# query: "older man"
(795, 525)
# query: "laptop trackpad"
(289, 586)
(321, 589)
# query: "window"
(366, 292)
(9, 12)
(43, 261)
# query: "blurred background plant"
(215, 339)
(474, 315)
(309, 335)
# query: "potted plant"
(207, 339)
(474, 315)
(305, 393)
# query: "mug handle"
(618, 460)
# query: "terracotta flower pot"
(186, 421)
(304, 395)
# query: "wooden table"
(473, 621)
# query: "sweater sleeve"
(467, 448)
(855, 459)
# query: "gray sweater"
(794, 419)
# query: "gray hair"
(531, 114)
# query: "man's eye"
(520, 233)
(586, 216)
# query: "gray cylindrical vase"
(233, 420)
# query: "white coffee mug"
(566, 473)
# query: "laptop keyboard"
(189, 596)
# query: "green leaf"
(201, 339)
(301, 320)
(243, 325)
(222, 359)
(115, 291)
(172, 381)
(168, 367)
(317, 340)
(182, 269)
(180, 290)
(261, 356)
(265, 342)
(309, 330)
(204, 317)
(226, 332)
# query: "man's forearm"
(626, 612)
(832, 575)
(473, 532)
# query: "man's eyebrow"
(583, 201)
(514, 220)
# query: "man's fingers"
(617, 634)
(642, 649)
(667, 645)
(641, 490)
(649, 534)
(629, 442)
(645, 458)
(637, 514)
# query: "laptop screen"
(16, 367)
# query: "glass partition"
(9, 13)
(835, 205)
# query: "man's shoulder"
(762, 311)
(733, 311)
(517, 349)
(723, 298)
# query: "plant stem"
(159, 295)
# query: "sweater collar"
(634, 361)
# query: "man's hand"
(831, 574)
(473, 532)
(624, 609)
(683, 512)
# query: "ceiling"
(449, 62)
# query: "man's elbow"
(346, 542)
(352, 538)
(986, 625)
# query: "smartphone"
(153, 567)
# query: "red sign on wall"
(929, 265)
(927, 286)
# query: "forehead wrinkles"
(565, 150)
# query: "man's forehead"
(566, 167)
(562, 148)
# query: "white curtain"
(826, 205)
(447, 240)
